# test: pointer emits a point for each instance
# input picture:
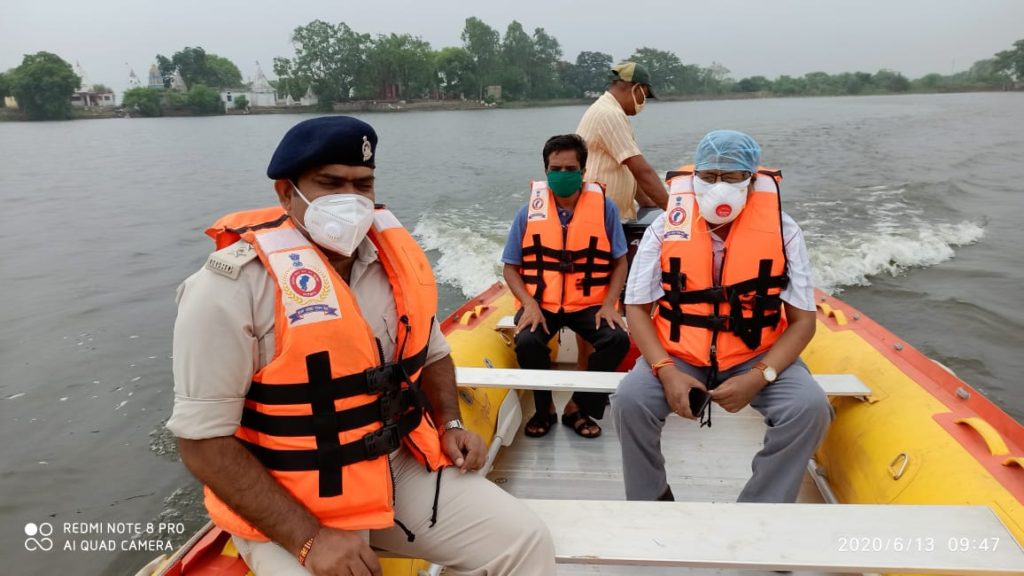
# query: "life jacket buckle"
(565, 263)
(391, 407)
(382, 441)
(386, 379)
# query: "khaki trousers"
(481, 530)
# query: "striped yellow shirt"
(610, 142)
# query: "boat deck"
(704, 465)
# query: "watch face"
(770, 374)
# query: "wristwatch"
(769, 373)
(456, 423)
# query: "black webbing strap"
(328, 463)
(378, 380)
(533, 260)
(375, 444)
(387, 409)
(712, 322)
(676, 280)
(765, 306)
(750, 328)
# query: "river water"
(911, 206)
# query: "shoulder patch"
(229, 261)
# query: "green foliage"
(482, 43)
(1011, 62)
(455, 73)
(5, 87)
(328, 57)
(397, 66)
(516, 58)
(143, 101)
(166, 68)
(754, 84)
(101, 89)
(668, 73)
(288, 85)
(589, 73)
(43, 86)
(544, 74)
(241, 102)
(175, 101)
(203, 100)
(198, 67)
(222, 73)
(890, 81)
(337, 63)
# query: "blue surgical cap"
(727, 150)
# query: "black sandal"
(541, 424)
(579, 423)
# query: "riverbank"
(13, 115)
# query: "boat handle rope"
(897, 473)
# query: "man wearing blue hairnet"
(720, 303)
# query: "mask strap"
(308, 203)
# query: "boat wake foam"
(852, 260)
(469, 260)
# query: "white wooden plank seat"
(577, 381)
(916, 539)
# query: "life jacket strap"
(751, 294)
(329, 460)
(385, 379)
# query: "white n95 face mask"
(720, 202)
(338, 222)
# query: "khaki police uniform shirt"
(610, 142)
(224, 334)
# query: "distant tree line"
(338, 64)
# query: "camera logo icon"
(38, 537)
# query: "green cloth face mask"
(565, 184)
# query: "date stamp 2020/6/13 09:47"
(915, 544)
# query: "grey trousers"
(481, 530)
(794, 408)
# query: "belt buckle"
(382, 379)
(382, 441)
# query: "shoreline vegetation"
(398, 106)
(337, 69)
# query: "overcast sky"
(791, 37)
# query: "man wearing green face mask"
(565, 262)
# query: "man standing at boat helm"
(565, 262)
(615, 159)
(305, 353)
(727, 277)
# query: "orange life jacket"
(566, 269)
(325, 412)
(722, 324)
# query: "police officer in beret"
(315, 395)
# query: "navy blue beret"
(325, 140)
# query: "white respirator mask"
(720, 202)
(337, 222)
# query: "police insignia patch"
(367, 150)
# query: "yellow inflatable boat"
(920, 435)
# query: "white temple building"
(86, 97)
(261, 93)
